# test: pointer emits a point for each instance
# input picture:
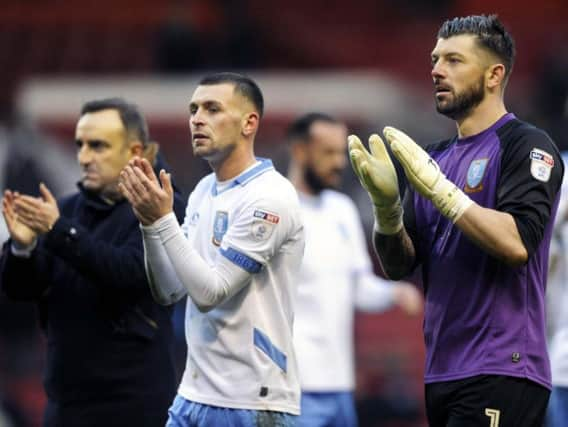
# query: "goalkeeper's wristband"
(388, 219)
(450, 200)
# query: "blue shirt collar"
(245, 177)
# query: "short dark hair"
(132, 119)
(299, 129)
(243, 85)
(491, 35)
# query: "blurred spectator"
(336, 275)
(197, 35)
(241, 40)
(551, 94)
(178, 48)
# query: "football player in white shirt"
(336, 275)
(557, 301)
(236, 257)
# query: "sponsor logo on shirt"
(266, 216)
(475, 174)
(220, 226)
(541, 164)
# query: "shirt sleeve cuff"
(23, 251)
(159, 224)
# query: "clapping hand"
(21, 234)
(377, 175)
(151, 199)
(27, 216)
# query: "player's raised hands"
(425, 175)
(151, 198)
(422, 171)
(377, 175)
(37, 213)
(20, 233)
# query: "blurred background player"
(478, 218)
(236, 257)
(336, 275)
(81, 260)
(557, 302)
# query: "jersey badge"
(541, 164)
(220, 226)
(475, 175)
(263, 224)
(193, 219)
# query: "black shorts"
(486, 401)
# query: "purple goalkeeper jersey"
(481, 315)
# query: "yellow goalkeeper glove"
(425, 175)
(378, 176)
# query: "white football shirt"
(557, 291)
(336, 278)
(240, 354)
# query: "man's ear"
(495, 76)
(250, 123)
(136, 148)
(298, 152)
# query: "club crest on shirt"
(193, 219)
(220, 226)
(475, 174)
(541, 164)
(263, 224)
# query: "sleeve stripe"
(242, 260)
(263, 343)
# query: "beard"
(316, 183)
(463, 103)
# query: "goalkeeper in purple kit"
(477, 220)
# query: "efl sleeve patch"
(260, 229)
(263, 224)
(266, 216)
(541, 164)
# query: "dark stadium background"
(366, 61)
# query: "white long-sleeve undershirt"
(175, 268)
